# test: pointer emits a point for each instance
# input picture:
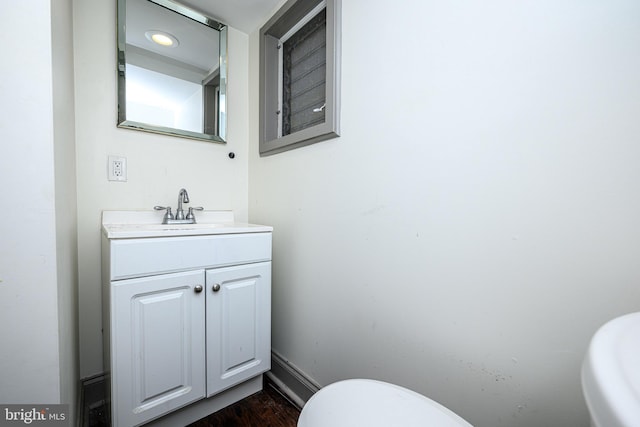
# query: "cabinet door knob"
(216, 287)
(198, 289)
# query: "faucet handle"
(190, 214)
(161, 208)
(168, 215)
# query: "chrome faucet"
(183, 197)
(179, 218)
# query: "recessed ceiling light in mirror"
(162, 38)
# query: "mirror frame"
(121, 60)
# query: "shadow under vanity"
(186, 315)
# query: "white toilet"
(611, 373)
(369, 403)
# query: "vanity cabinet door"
(238, 324)
(158, 351)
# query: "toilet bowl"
(370, 403)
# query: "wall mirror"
(171, 70)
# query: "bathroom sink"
(611, 373)
(138, 224)
(168, 227)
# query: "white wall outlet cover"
(117, 168)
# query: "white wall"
(30, 365)
(478, 218)
(65, 203)
(158, 166)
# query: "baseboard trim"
(296, 385)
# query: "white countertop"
(136, 224)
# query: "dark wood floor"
(267, 408)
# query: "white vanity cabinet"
(185, 318)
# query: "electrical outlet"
(117, 168)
